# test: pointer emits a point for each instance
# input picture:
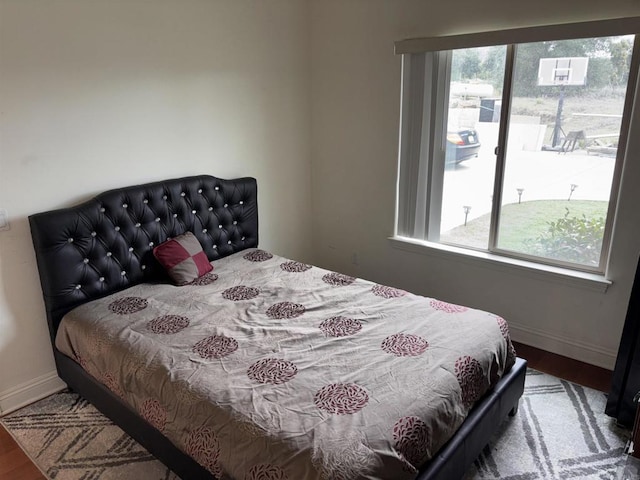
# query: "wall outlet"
(4, 220)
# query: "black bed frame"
(104, 245)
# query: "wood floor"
(15, 465)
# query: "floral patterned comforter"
(268, 368)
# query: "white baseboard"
(29, 392)
(565, 346)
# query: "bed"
(264, 367)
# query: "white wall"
(100, 94)
(355, 116)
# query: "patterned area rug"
(560, 432)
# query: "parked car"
(461, 145)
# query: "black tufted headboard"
(105, 244)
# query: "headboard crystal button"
(131, 249)
(229, 242)
(143, 267)
(70, 240)
(93, 234)
(235, 222)
(182, 194)
(109, 254)
(193, 211)
(219, 226)
(117, 229)
(215, 247)
(216, 188)
(123, 273)
(204, 230)
(85, 261)
(211, 209)
(157, 219)
(151, 244)
(78, 287)
(101, 279)
(199, 190)
(241, 202)
(138, 225)
(242, 239)
(226, 205)
(124, 205)
(164, 197)
(145, 201)
(175, 215)
(102, 210)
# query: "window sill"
(547, 273)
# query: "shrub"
(573, 239)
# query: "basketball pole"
(555, 140)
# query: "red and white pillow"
(183, 259)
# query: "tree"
(465, 64)
(620, 61)
(492, 68)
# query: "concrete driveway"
(542, 175)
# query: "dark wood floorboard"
(566, 368)
(15, 465)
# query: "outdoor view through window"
(566, 107)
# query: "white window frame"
(422, 139)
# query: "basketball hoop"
(571, 71)
(563, 71)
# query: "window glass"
(566, 110)
(514, 149)
(475, 91)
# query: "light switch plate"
(4, 220)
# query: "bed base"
(450, 463)
(105, 245)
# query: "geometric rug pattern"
(68, 439)
(560, 432)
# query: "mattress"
(271, 368)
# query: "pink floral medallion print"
(202, 445)
(412, 441)
(109, 381)
(294, 267)
(447, 307)
(272, 370)
(405, 345)
(285, 310)
(257, 256)
(154, 413)
(341, 398)
(83, 362)
(504, 329)
(338, 279)
(470, 378)
(215, 346)
(266, 471)
(387, 292)
(340, 326)
(126, 305)
(206, 279)
(168, 324)
(240, 292)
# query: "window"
(516, 147)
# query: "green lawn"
(523, 222)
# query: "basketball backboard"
(563, 71)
